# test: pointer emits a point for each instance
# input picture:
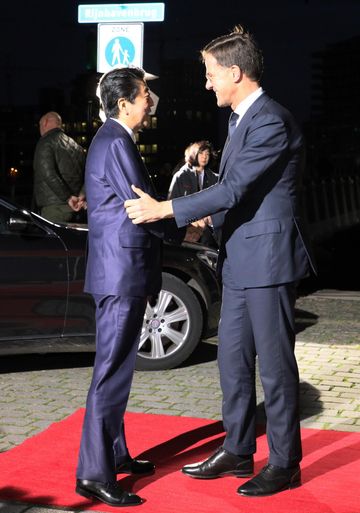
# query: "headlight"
(209, 257)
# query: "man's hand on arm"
(146, 209)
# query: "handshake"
(77, 203)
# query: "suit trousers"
(103, 446)
(259, 321)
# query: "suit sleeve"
(123, 167)
(265, 147)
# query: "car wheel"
(171, 329)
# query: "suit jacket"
(185, 182)
(123, 258)
(257, 199)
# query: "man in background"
(58, 172)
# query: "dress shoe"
(110, 493)
(271, 479)
(133, 466)
(221, 463)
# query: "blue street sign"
(119, 44)
(120, 52)
(113, 13)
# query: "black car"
(43, 307)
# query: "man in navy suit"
(262, 256)
(123, 271)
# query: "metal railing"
(331, 205)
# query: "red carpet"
(42, 470)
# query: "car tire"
(171, 329)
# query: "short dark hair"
(119, 83)
(238, 48)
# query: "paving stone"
(354, 394)
(331, 393)
(345, 427)
(335, 419)
(343, 387)
(351, 414)
(19, 430)
(156, 405)
(329, 401)
(140, 397)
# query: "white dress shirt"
(129, 131)
(246, 104)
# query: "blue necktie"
(232, 123)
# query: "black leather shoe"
(134, 466)
(110, 493)
(221, 463)
(270, 480)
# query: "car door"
(33, 277)
(80, 316)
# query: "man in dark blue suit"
(262, 256)
(123, 271)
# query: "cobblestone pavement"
(40, 391)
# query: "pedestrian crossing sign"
(119, 45)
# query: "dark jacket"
(58, 168)
(184, 182)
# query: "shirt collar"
(245, 104)
(129, 131)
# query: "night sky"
(42, 45)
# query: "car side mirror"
(17, 224)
